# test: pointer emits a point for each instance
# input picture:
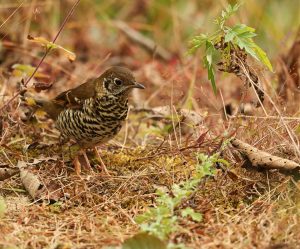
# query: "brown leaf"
(200, 139)
(263, 159)
(42, 159)
(40, 86)
(30, 181)
(38, 145)
(48, 190)
(6, 173)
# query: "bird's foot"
(82, 160)
(102, 166)
(87, 163)
(77, 165)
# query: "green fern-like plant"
(239, 36)
(162, 220)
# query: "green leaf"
(141, 218)
(208, 61)
(255, 51)
(226, 14)
(144, 241)
(239, 31)
(262, 56)
(242, 35)
(197, 42)
(191, 212)
(210, 73)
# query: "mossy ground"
(242, 207)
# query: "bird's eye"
(118, 82)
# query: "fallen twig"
(188, 116)
(259, 158)
(144, 41)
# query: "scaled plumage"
(93, 112)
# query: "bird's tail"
(37, 103)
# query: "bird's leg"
(89, 167)
(77, 165)
(103, 167)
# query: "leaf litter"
(48, 205)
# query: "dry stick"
(262, 138)
(190, 92)
(44, 56)
(28, 21)
(25, 5)
(21, 49)
(272, 102)
(223, 103)
(144, 41)
(126, 131)
(172, 115)
(10, 16)
(253, 84)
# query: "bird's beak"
(138, 85)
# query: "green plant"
(162, 219)
(238, 38)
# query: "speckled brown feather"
(81, 92)
(93, 112)
(90, 89)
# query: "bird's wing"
(75, 97)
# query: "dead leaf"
(201, 138)
(6, 173)
(30, 181)
(41, 86)
(41, 40)
(36, 145)
(42, 159)
(263, 159)
(21, 70)
(49, 191)
(1, 125)
(50, 45)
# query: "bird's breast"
(96, 122)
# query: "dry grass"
(242, 207)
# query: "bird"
(93, 112)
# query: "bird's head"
(119, 81)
